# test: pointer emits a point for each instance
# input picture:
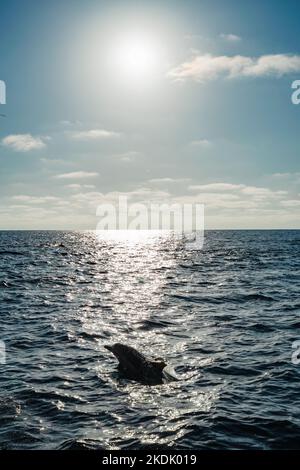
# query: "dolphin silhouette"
(135, 366)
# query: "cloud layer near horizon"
(229, 205)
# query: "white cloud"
(77, 175)
(128, 157)
(281, 175)
(227, 205)
(284, 176)
(35, 199)
(251, 195)
(215, 187)
(207, 67)
(224, 197)
(80, 186)
(168, 180)
(93, 134)
(291, 203)
(230, 37)
(201, 143)
(258, 192)
(24, 142)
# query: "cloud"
(215, 187)
(224, 197)
(24, 142)
(93, 134)
(277, 64)
(167, 180)
(285, 176)
(207, 67)
(68, 123)
(77, 175)
(80, 186)
(35, 199)
(255, 194)
(227, 205)
(259, 193)
(291, 203)
(201, 143)
(52, 161)
(128, 157)
(230, 37)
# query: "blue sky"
(205, 116)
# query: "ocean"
(225, 317)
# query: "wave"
(9, 408)
(225, 317)
(12, 253)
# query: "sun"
(137, 57)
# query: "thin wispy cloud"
(77, 175)
(287, 175)
(24, 142)
(167, 180)
(208, 67)
(254, 192)
(128, 157)
(76, 186)
(68, 123)
(93, 134)
(230, 37)
(291, 203)
(215, 187)
(35, 199)
(201, 143)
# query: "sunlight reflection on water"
(138, 271)
(214, 315)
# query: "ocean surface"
(224, 317)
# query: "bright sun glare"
(137, 57)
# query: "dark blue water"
(225, 317)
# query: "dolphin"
(135, 366)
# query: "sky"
(161, 101)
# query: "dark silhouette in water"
(135, 366)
